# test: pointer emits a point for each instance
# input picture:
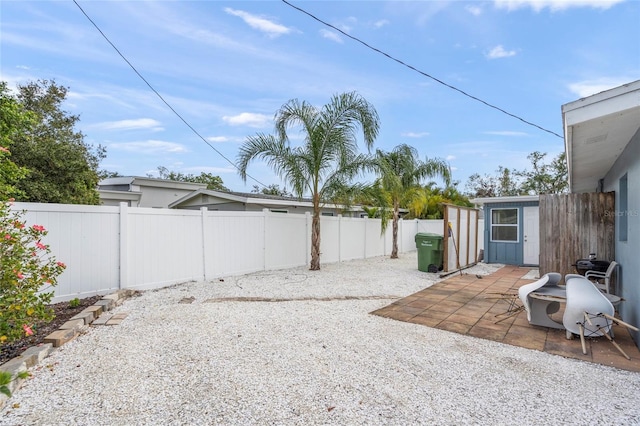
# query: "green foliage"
(372, 212)
(62, 167)
(12, 119)
(503, 184)
(401, 171)
(428, 203)
(327, 160)
(74, 303)
(213, 182)
(542, 179)
(6, 378)
(545, 178)
(27, 270)
(273, 189)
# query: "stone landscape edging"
(68, 331)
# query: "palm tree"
(326, 161)
(401, 171)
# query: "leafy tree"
(542, 179)
(401, 171)
(12, 119)
(327, 160)
(273, 189)
(428, 202)
(505, 183)
(545, 178)
(105, 174)
(62, 167)
(213, 182)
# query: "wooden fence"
(574, 225)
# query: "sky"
(226, 67)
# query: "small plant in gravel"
(74, 303)
(6, 379)
(27, 271)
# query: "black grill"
(584, 265)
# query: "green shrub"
(27, 271)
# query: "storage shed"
(511, 229)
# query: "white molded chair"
(539, 311)
(586, 307)
(523, 293)
(605, 277)
(589, 312)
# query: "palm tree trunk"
(394, 246)
(315, 240)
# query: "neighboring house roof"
(263, 200)
(143, 191)
(596, 131)
(133, 181)
(511, 199)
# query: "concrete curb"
(68, 331)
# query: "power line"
(422, 72)
(160, 96)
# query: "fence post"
(203, 229)
(365, 237)
(307, 216)
(339, 238)
(124, 253)
(265, 223)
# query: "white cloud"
(218, 139)
(140, 123)
(381, 23)
(554, 5)
(451, 157)
(222, 139)
(414, 134)
(149, 147)
(591, 87)
(258, 23)
(474, 10)
(331, 35)
(499, 52)
(248, 119)
(505, 133)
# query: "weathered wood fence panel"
(574, 225)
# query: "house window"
(622, 216)
(279, 211)
(504, 225)
(327, 214)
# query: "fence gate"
(574, 225)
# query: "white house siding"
(627, 251)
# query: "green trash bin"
(430, 251)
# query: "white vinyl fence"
(109, 248)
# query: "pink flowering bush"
(27, 271)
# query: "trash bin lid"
(428, 236)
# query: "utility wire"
(421, 72)
(160, 96)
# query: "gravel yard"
(300, 347)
